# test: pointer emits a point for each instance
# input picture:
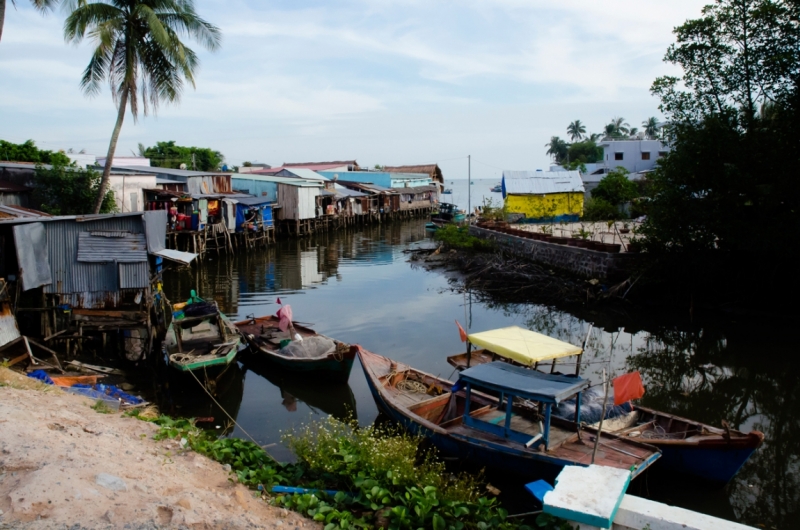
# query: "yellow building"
(544, 195)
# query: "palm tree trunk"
(2, 16)
(112, 147)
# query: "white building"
(633, 155)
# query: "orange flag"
(628, 387)
(461, 332)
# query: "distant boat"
(447, 191)
(315, 356)
(200, 337)
(497, 189)
(446, 213)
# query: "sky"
(387, 82)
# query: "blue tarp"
(523, 382)
(242, 209)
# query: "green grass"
(458, 237)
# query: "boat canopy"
(523, 382)
(522, 345)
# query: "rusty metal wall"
(70, 275)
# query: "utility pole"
(194, 165)
(469, 187)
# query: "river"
(358, 286)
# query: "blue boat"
(465, 422)
(316, 356)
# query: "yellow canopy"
(522, 345)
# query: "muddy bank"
(64, 465)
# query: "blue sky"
(384, 82)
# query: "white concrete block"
(636, 513)
(588, 495)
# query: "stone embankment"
(64, 465)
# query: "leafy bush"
(69, 190)
(615, 188)
(383, 480)
(599, 210)
(453, 236)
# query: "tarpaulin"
(628, 387)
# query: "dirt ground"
(63, 465)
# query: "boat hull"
(712, 464)
(216, 365)
(496, 456)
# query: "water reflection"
(319, 398)
(356, 286)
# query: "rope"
(411, 387)
(229, 416)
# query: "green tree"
(42, 5)
(585, 152)
(576, 130)
(557, 148)
(616, 188)
(617, 129)
(650, 128)
(69, 190)
(724, 205)
(738, 54)
(140, 53)
(28, 152)
(167, 154)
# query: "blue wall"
(375, 177)
(256, 187)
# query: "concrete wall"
(580, 261)
(128, 192)
(546, 206)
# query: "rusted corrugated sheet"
(100, 299)
(102, 247)
(71, 276)
(8, 324)
(134, 275)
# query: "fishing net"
(309, 348)
(591, 407)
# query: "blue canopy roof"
(523, 382)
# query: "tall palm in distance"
(42, 5)
(140, 53)
(650, 126)
(576, 130)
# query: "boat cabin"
(509, 382)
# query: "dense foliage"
(28, 152)
(69, 190)
(167, 154)
(381, 477)
(723, 205)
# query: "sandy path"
(63, 465)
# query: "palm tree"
(620, 126)
(593, 137)
(632, 132)
(140, 53)
(576, 130)
(557, 148)
(650, 126)
(41, 5)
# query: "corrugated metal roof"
(305, 173)
(176, 255)
(281, 180)
(374, 188)
(134, 275)
(253, 201)
(20, 211)
(541, 182)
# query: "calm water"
(359, 288)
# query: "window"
(618, 156)
(646, 156)
(662, 153)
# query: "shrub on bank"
(382, 477)
(458, 237)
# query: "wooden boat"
(264, 337)
(688, 447)
(204, 339)
(467, 423)
(447, 213)
(497, 189)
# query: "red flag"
(461, 332)
(285, 314)
(628, 387)
(279, 300)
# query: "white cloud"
(397, 81)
